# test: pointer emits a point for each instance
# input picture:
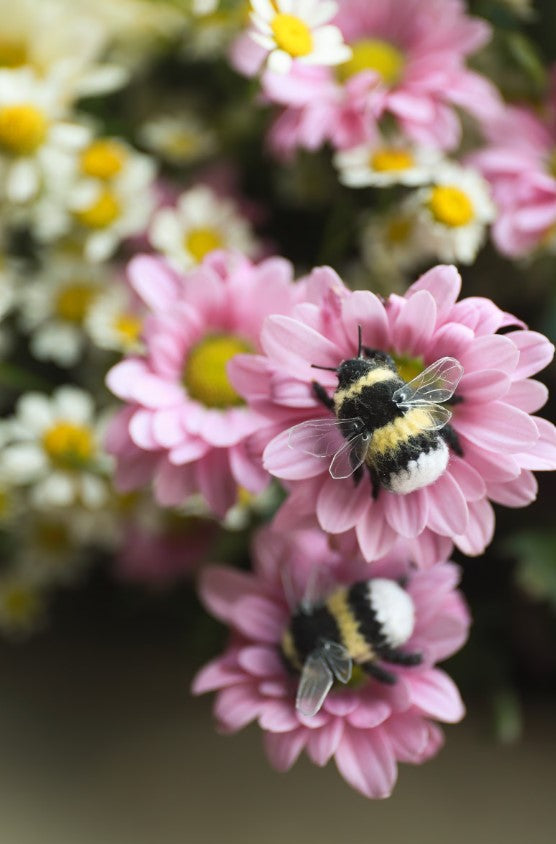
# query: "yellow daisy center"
(399, 230)
(74, 301)
(205, 376)
(199, 242)
(23, 128)
(21, 604)
(128, 327)
(451, 206)
(374, 54)
(292, 35)
(69, 445)
(103, 159)
(12, 53)
(390, 159)
(408, 367)
(102, 213)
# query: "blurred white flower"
(53, 447)
(381, 163)
(178, 138)
(114, 322)
(200, 223)
(391, 245)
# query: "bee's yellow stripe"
(290, 651)
(338, 605)
(392, 435)
(375, 376)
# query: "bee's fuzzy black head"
(352, 370)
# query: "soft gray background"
(101, 744)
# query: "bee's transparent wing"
(323, 437)
(436, 384)
(315, 683)
(338, 659)
(350, 456)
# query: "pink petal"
(220, 588)
(216, 482)
(542, 456)
(121, 378)
(291, 463)
(237, 706)
(258, 618)
(366, 761)
(141, 430)
(247, 471)
(527, 395)
(448, 512)
(497, 427)
(480, 529)
(153, 281)
(341, 703)
(517, 493)
(488, 463)
(278, 717)
(430, 548)
(369, 714)
(341, 504)
(407, 514)
(408, 734)
(323, 743)
(415, 323)
(496, 351)
(260, 661)
(365, 309)
(484, 385)
(216, 675)
(536, 352)
(248, 375)
(467, 478)
(437, 695)
(189, 450)
(295, 346)
(374, 534)
(451, 340)
(152, 391)
(173, 484)
(283, 749)
(444, 284)
(166, 427)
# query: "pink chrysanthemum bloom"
(408, 61)
(520, 164)
(185, 425)
(501, 443)
(367, 726)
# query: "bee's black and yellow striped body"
(370, 619)
(403, 453)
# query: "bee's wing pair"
(328, 661)
(347, 440)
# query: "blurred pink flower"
(520, 164)
(367, 729)
(408, 62)
(501, 442)
(185, 426)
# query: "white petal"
(73, 404)
(279, 62)
(23, 180)
(22, 463)
(35, 411)
(57, 490)
(93, 491)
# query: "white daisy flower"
(54, 305)
(200, 223)
(108, 197)
(295, 30)
(55, 40)
(34, 139)
(114, 322)
(391, 245)
(178, 138)
(53, 448)
(381, 163)
(453, 213)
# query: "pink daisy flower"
(367, 726)
(184, 426)
(520, 164)
(408, 61)
(500, 442)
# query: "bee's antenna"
(328, 368)
(359, 341)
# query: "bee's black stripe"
(307, 628)
(361, 608)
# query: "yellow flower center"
(244, 497)
(23, 129)
(12, 53)
(399, 230)
(205, 376)
(199, 242)
(292, 35)
(450, 206)
(103, 159)
(69, 445)
(390, 159)
(21, 605)
(408, 367)
(374, 54)
(102, 213)
(129, 327)
(74, 301)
